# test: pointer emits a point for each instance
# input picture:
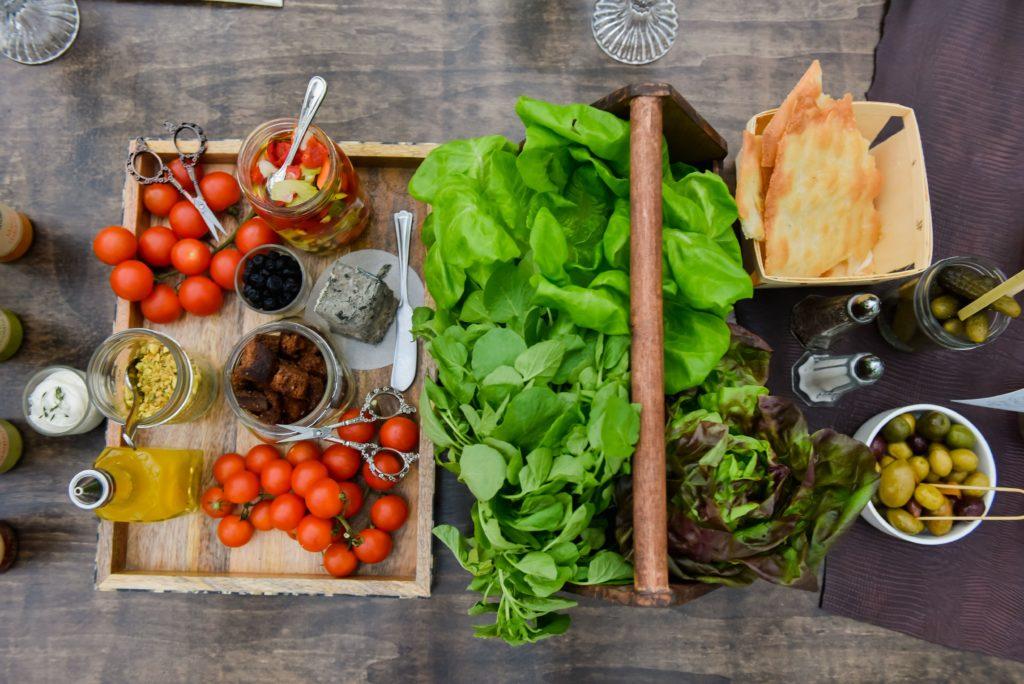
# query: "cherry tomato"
(220, 190)
(400, 433)
(277, 151)
(159, 198)
(190, 256)
(234, 532)
(227, 465)
(131, 280)
(389, 512)
(223, 267)
(386, 463)
(214, 504)
(181, 175)
(313, 533)
(340, 561)
(286, 511)
(155, 245)
(259, 456)
(307, 474)
(186, 221)
(276, 477)
(352, 497)
(315, 154)
(200, 295)
(162, 305)
(242, 487)
(114, 244)
(260, 518)
(254, 233)
(323, 499)
(303, 451)
(372, 545)
(357, 432)
(342, 462)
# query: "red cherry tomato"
(276, 477)
(234, 532)
(286, 511)
(313, 533)
(307, 474)
(400, 433)
(277, 151)
(342, 462)
(303, 451)
(357, 432)
(223, 267)
(259, 456)
(386, 463)
(255, 233)
(214, 504)
(372, 545)
(159, 198)
(155, 245)
(242, 487)
(227, 465)
(190, 256)
(352, 497)
(220, 190)
(114, 244)
(131, 280)
(200, 295)
(186, 221)
(162, 305)
(260, 518)
(181, 175)
(315, 154)
(340, 561)
(323, 498)
(389, 512)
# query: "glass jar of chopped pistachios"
(175, 386)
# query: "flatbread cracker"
(809, 86)
(819, 208)
(750, 187)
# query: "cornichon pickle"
(967, 283)
(954, 326)
(904, 323)
(944, 307)
(976, 327)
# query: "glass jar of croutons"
(175, 386)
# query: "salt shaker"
(818, 321)
(821, 379)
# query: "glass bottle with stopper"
(821, 379)
(818, 321)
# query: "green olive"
(960, 437)
(957, 477)
(945, 306)
(933, 426)
(886, 460)
(976, 328)
(896, 484)
(900, 450)
(940, 461)
(903, 521)
(972, 480)
(954, 326)
(920, 466)
(911, 420)
(964, 460)
(928, 496)
(932, 477)
(941, 527)
(898, 429)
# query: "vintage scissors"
(162, 174)
(380, 404)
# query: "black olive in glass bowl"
(271, 279)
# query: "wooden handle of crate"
(650, 512)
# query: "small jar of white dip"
(56, 402)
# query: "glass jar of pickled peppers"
(320, 205)
(921, 312)
(176, 386)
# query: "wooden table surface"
(405, 70)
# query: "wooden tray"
(184, 554)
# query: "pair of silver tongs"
(372, 411)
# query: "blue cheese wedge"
(356, 303)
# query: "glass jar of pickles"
(175, 386)
(921, 312)
(320, 205)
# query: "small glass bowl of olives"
(919, 449)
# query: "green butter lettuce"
(528, 264)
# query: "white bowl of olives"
(919, 449)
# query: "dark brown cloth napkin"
(960, 65)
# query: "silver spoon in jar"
(315, 92)
(131, 381)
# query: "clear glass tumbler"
(37, 31)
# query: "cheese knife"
(403, 370)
